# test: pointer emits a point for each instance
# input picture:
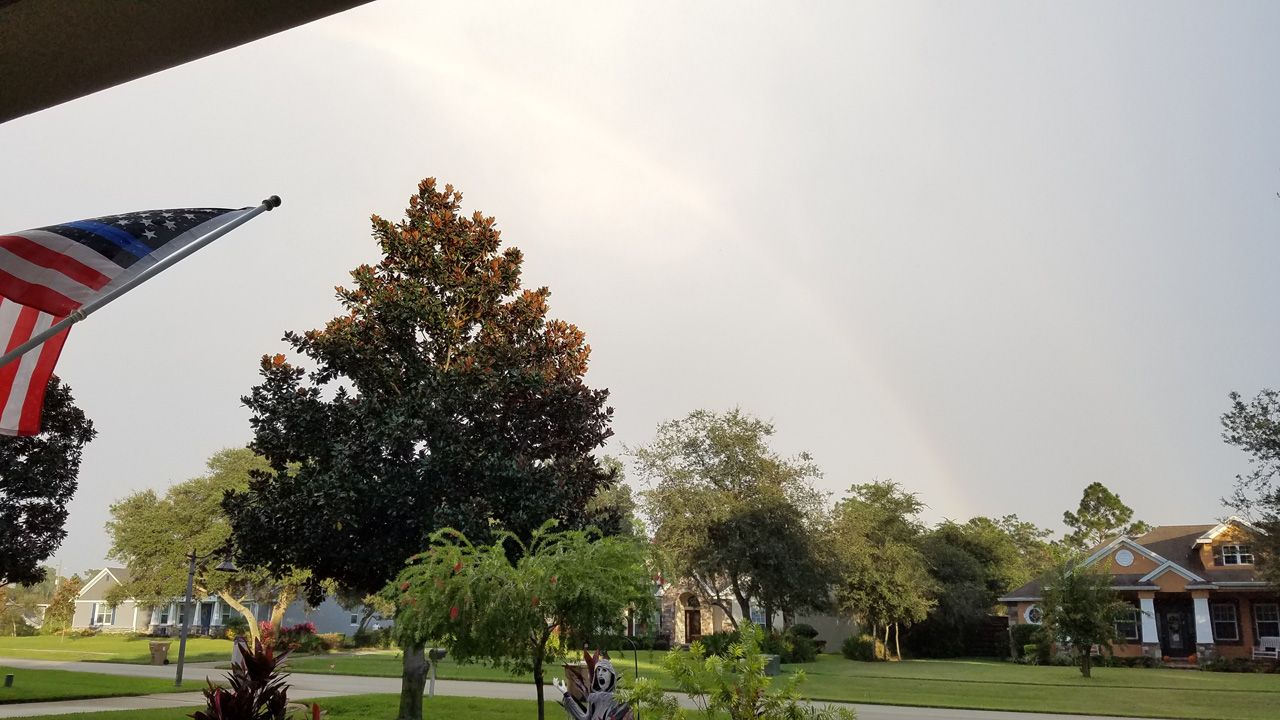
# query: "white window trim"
(1136, 614)
(1235, 621)
(1258, 633)
(1237, 554)
(98, 609)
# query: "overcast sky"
(994, 252)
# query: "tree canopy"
(1254, 427)
(1081, 610)
(729, 512)
(152, 535)
(442, 396)
(1100, 517)
(38, 477)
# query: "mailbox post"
(434, 656)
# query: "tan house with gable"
(1195, 590)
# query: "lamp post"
(225, 566)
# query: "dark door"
(1175, 636)
(692, 625)
(206, 615)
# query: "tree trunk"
(744, 602)
(1086, 662)
(537, 683)
(897, 641)
(412, 682)
(788, 619)
(768, 618)
(368, 613)
(886, 641)
(254, 633)
(283, 601)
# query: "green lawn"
(389, 664)
(38, 685)
(357, 707)
(109, 648)
(974, 684)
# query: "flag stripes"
(23, 382)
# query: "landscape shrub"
(717, 643)
(1024, 635)
(256, 689)
(804, 630)
(235, 626)
(330, 641)
(1231, 665)
(1030, 654)
(87, 632)
(859, 647)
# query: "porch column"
(1150, 630)
(1204, 625)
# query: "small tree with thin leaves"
(1081, 609)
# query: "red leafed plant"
(256, 689)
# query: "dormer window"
(1235, 554)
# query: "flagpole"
(83, 312)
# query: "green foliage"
(38, 476)
(235, 626)
(861, 647)
(731, 514)
(1080, 610)
(883, 577)
(973, 563)
(504, 602)
(804, 630)
(1026, 635)
(1254, 427)
(152, 534)
(256, 689)
(1100, 517)
(733, 686)
(62, 607)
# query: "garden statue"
(599, 703)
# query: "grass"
(40, 685)
(970, 684)
(988, 685)
(356, 707)
(109, 648)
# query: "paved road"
(320, 686)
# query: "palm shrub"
(733, 686)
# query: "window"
(1127, 625)
(355, 618)
(1266, 619)
(1225, 626)
(103, 614)
(162, 614)
(1237, 555)
(1033, 615)
(226, 614)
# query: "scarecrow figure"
(600, 704)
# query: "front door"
(692, 625)
(206, 615)
(1175, 635)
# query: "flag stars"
(150, 235)
(171, 225)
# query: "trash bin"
(772, 665)
(160, 653)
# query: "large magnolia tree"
(441, 396)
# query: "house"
(686, 614)
(1195, 590)
(209, 617)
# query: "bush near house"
(863, 648)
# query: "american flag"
(48, 273)
(59, 268)
(23, 381)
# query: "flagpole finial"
(272, 202)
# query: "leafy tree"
(62, 606)
(882, 579)
(442, 396)
(152, 534)
(616, 506)
(718, 497)
(1254, 427)
(1081, 610)
(1100, 517)
(510, 603)
(734, 686)
(37, 479)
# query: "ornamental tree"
(38, 475)
(1081, 610)
(1254, 427)
(62, 606)
(442, 396)
(151, 534)
(513, 604)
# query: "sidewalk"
(303, 685)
